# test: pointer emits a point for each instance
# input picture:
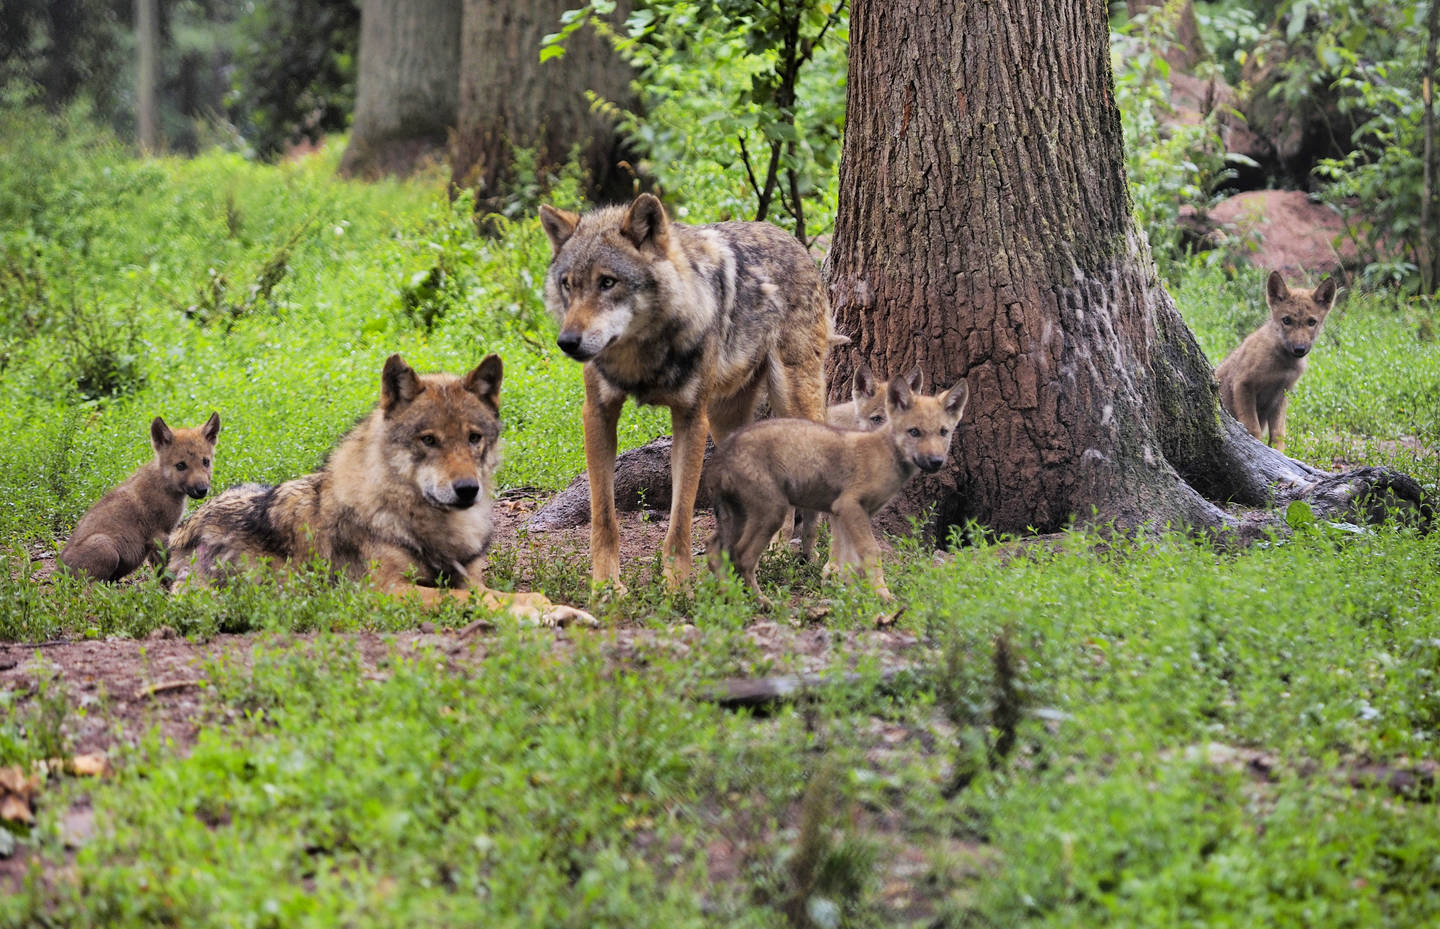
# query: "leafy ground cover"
(1082, 732)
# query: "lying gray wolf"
(707, 320)
(128, 524)
(402, 502)
(775, 464)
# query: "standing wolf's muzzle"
(198, 493)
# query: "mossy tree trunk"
(985, 232)
(407, 89)
(510, 101)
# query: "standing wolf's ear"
(399, 384)
(646, 225)
(484, 381)
(1324, 295)
(160, 434)
(211, 429)
(916, 380)
(1275, 289)
(559, 226)
(956, 398)
(898, 395)
(862, 384)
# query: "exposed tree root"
(642, 482)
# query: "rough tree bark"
(407, 90)
(985, 231)
(510, 100)
(147, 77)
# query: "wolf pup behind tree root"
(775, 464)
(865, 410)
(402, 502)
(1255, 377)
(127, 525)
(706, 320)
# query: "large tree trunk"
(408, 85)
(985, 232)
(510, 100)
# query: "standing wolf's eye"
(606, 282)
(205, 462)
(1287, 321)
(914, 433)
(476, 438)
(1310, 323)
(180, 466)
(877, 419)
(429, 441)
(564, 282)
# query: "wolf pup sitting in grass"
(779, 463)
(1256, 376)
(403, 502)
(127, 525)
(706, 320)
(865, 410)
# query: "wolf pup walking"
(775, 464)
(402, 502)
(1256, 376)
(127, 525)
(706, 320)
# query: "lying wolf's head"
(184, 455)
(602, 277)
(1296, 316)
(921, 426)
(441, 431)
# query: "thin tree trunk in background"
(1188, 49)
(407, 90)
(511, 102)
(1429, 254)
(147, 40)
(985, 232)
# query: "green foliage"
(755, 88)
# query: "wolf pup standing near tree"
(1255, 377)
(775, 464)
(865, 410)
(127, 525)
(706, 320)
(402, 502)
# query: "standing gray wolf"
(127, 525)
(706, 320)
(865, 410)
(1255, 377)
(402, 502)
(774, 464)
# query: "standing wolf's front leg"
(691, 427)
(600, 416)
(1245, 409)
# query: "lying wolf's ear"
(862, 384)
(160, 434)
(916, 380)
(212, 428)
(898, 395)
(484, 381)
(956, 398)
(1275, 289)
(1324, 295)
(399, 384)
(559, 226)
(646, 225)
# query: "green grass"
(1062, 752)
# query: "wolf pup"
(128, 524)
(775, 464)
(706, 320)
(865, 410)
(402, 502)
(1255, 377)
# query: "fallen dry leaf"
(15, 809)
(93, 765)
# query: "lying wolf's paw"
(560, 616)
